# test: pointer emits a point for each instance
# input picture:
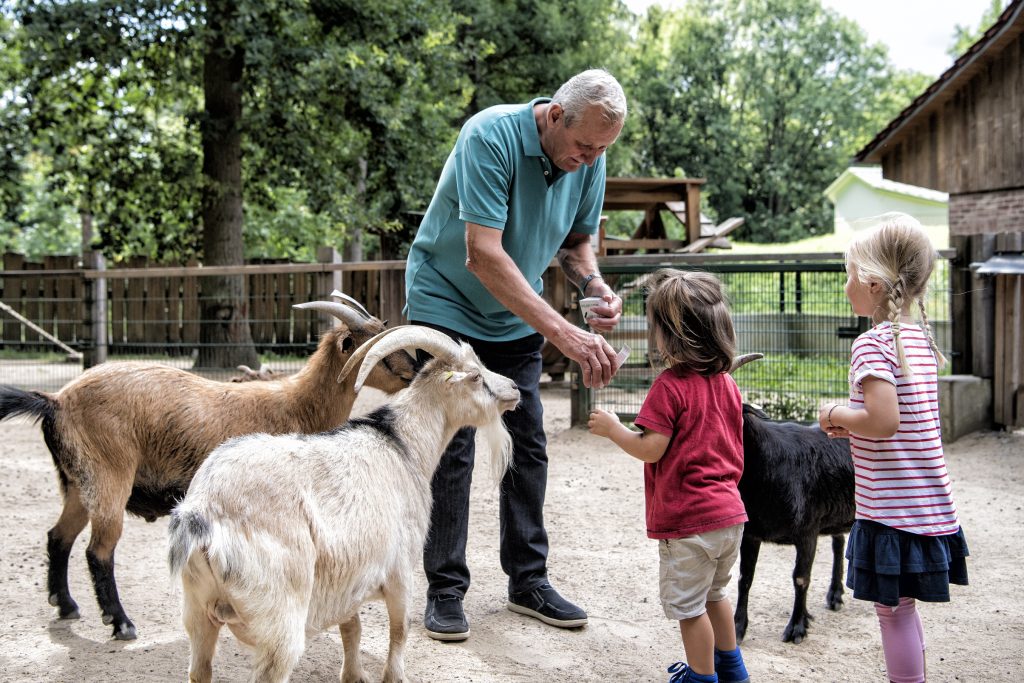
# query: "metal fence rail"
(794, 312)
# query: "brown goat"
(130, 436)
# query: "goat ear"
(453, 376)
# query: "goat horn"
(345, 314)
(338, 294)
(739, 361)
(404, 337)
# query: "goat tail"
(188, 531)
(32, 404)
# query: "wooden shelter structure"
(964, 135)
(679, 197)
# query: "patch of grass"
(824, 244)
(37, 356)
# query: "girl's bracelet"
(829, 418)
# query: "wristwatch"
(586, 281)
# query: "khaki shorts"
(695, 570)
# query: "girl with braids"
(691, 439)
(906, 544)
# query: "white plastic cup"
(588, 303)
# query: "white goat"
(130, 436)
(284, 536)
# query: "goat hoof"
(795, 633)
(66, 609)
(741, 630)
(108, 619)
(125, 631)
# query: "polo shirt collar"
(528, 129)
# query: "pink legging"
(902, 641)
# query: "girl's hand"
(838, 433)
(823, 416)
(827, 421)
(601, 422)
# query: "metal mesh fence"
(796, 314)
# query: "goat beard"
(499, 442)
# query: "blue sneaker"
(681, 673)
(730, 668)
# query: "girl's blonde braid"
(896, 297)
(939, 358)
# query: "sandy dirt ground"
(600, 557)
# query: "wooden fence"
(156, 308)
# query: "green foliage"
(352, 105)
(965, 36)
(347, 106)
(107, 89)
(44, 225)
(13, 138)
(516, 51)
(350, 109)
(767, 99)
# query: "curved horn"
(352, 318)
(739, 361)
(403, 337)
(337, 294)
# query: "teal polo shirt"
(496, 176)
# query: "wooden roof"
(1003, 32)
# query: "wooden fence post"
(94, 313)
(328, 282)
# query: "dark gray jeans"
(524, 542)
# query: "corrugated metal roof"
(1003, 264)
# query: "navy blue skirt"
(886, 564)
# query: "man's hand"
(605, 316)
(595, 356)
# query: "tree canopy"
(346, 111)
(767, 99)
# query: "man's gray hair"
(589, 88)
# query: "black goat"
(797, 484)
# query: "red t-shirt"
(695, 486)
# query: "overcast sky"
(917, 32)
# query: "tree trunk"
(225, 341)
(353, 250)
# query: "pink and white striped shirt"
(902, 481)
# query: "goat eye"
(475, 377)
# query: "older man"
(524, 183)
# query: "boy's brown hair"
(690, 322)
